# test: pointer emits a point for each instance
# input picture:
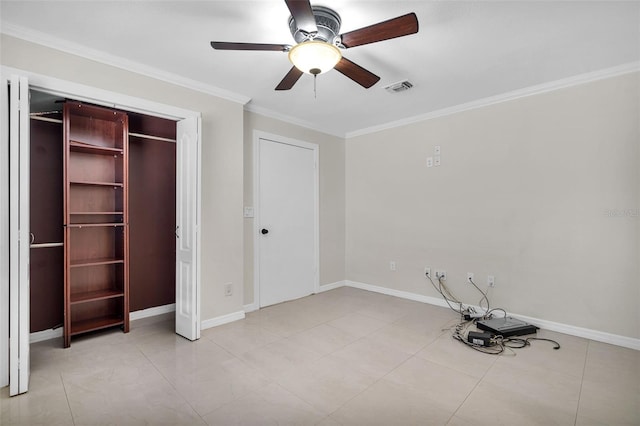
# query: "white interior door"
(287, 223)
(19, 235)
(187, 283)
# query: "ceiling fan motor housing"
(328, 23)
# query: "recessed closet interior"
(151, 211)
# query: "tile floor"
(343, 357)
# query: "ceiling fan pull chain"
(315, 94)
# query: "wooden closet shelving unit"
(96, 219)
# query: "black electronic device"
(479, 338)
(506, 327)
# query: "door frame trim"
(96, 96)
(257, 135)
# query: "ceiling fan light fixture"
(314, 57)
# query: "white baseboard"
(152, 312)
(223, 319)
(599, 336)
(250, 307)
(331, 286)
(40, 336)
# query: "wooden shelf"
(92, 296)
(94, 262)
(114, 184)
(77, 146)
(96, 213)
(97, 323)
(94, 225)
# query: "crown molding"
(77, 49)
(505, 97)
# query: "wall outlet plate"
(392, 266)
(228, 289)
(427, 271)
(470, 277)
(491, 281)
(441, 275)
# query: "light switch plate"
(436, 160)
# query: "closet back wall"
(152, 213)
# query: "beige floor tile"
(387, 404)
(613, 365)
(608, 405)
(357, 324)
(371, 357)
(278, 358)
(551, 388)
(326, 383)
(322, 339)
(210, 388)
(437, 383)
(271, 405)
(403, 338)
(489, 404)
(240, 336)
(44, 404)
(450, 353)
(101, 401)
(569, 359)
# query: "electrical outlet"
(228, 289)
(427, 271)
(429, 161)
(441, 275)
(392, 266)
(469, 277)
(491, 281)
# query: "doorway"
(187, 208)
(286, 200)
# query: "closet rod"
(50, 120)
(46, 245)
(156, 138)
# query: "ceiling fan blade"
(356, 73)
(302, 14)
(222, 45)
(290, 79)
(396, 27)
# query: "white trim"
(504, 97)
(599, 336)
(41, 336)
(291, 120)
(152, 312)
(77, 49)
(81, 92)
(257, 135)
(4, 236)
(331, 286)
(54, 333)
(250, 307)
(107, 98)
(223, 319)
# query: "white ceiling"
(464, 51)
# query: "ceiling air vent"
(400, 86)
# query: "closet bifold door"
(96, 219)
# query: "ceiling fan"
(315, 30)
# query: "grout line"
(584, 368)
(497, 357)
(67, 398)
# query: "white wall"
(221, 157)
(332, 201)
(524, 193)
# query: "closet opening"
(151, 213)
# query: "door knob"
(264, 231)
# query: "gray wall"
(525, 192)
